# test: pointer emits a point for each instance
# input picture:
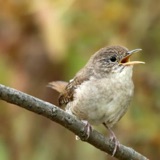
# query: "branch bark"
(68, 121)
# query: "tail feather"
(59, 86)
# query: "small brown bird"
(101, 91)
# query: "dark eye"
(113, 59)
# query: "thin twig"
(68, 121)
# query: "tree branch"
(68, 121)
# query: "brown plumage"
(66, 90)
(102, 90)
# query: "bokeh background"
(42, 41)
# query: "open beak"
(126, 60)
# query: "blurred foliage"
(47, 40)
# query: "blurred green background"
(42, 41)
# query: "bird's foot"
(87, 128)
(86, 131)
(114, 139)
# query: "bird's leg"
(113, 138)
(87, 130)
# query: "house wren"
(101, 91)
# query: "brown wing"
(68, 94)
(67, 90)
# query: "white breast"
(103, 100)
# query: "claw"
(87, 130)
(113, 138)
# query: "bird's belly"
(98, 104)
(110, 113)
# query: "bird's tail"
(59, 86)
